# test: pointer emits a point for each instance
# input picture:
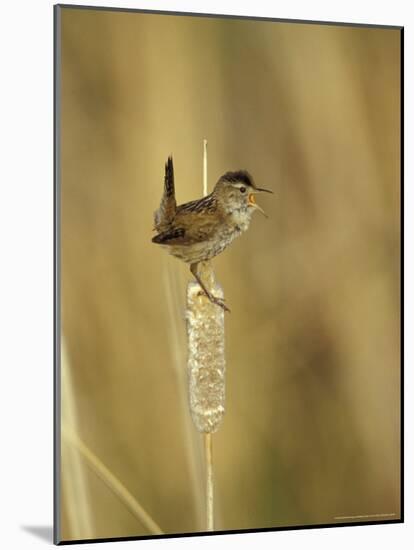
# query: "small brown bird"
(199, 230)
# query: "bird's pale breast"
(208, 249)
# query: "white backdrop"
(26, 97)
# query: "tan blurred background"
(312, 427)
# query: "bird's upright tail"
(166, 212)
(169, 189)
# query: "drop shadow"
(44, 532)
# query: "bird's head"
(237, 190)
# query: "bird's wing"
(166, 212)
(188, 231)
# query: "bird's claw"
(215, 300)
(219, 302)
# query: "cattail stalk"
(208, 444)
(206, 362)
(205, 190)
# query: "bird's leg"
(213, 299)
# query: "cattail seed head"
(206, 361)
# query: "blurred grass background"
(312, 428)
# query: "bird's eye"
(242, 190)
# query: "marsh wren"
(199, 230)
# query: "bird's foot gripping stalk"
(209, 275)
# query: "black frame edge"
(56, 276)
(230, 16)
(232, 532)
(402, 366)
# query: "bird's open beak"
(261, 190)
(252, 200)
